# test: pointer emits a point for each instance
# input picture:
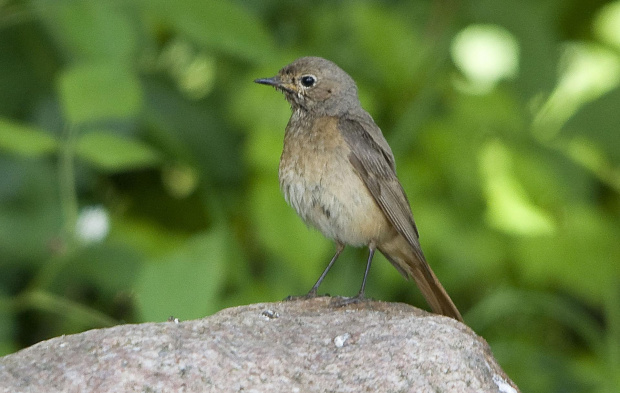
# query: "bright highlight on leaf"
(508, 207)
(607, 24)
(588, 71)
(485, 54)
(193, 70)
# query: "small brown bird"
(338, 172)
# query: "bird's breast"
(320, 183)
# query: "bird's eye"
(308, 80)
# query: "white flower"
(93, 224)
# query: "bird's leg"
(371, 253)
(313, 291)
(360, 295)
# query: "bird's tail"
(413, 264)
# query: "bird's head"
(316, 85)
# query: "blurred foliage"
(139, 165)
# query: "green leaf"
(581, 259)
(113, 153)
(394, 49)
(185, 282)
(220, 25)
(25, 140)
(112, 267)
(91, 30)
(92, 92)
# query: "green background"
(140, 118)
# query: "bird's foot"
(310, 295)
(345, 301)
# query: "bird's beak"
(275, 81)
(279, 84)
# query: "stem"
(68, 193)
(69, 208)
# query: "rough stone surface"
(297, 346)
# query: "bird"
(338, 173)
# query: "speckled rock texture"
(296, 346)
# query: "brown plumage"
(338, 172)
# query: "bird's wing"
(372, 159)
(375, 166)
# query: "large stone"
(297, 346)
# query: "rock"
(296, 346)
